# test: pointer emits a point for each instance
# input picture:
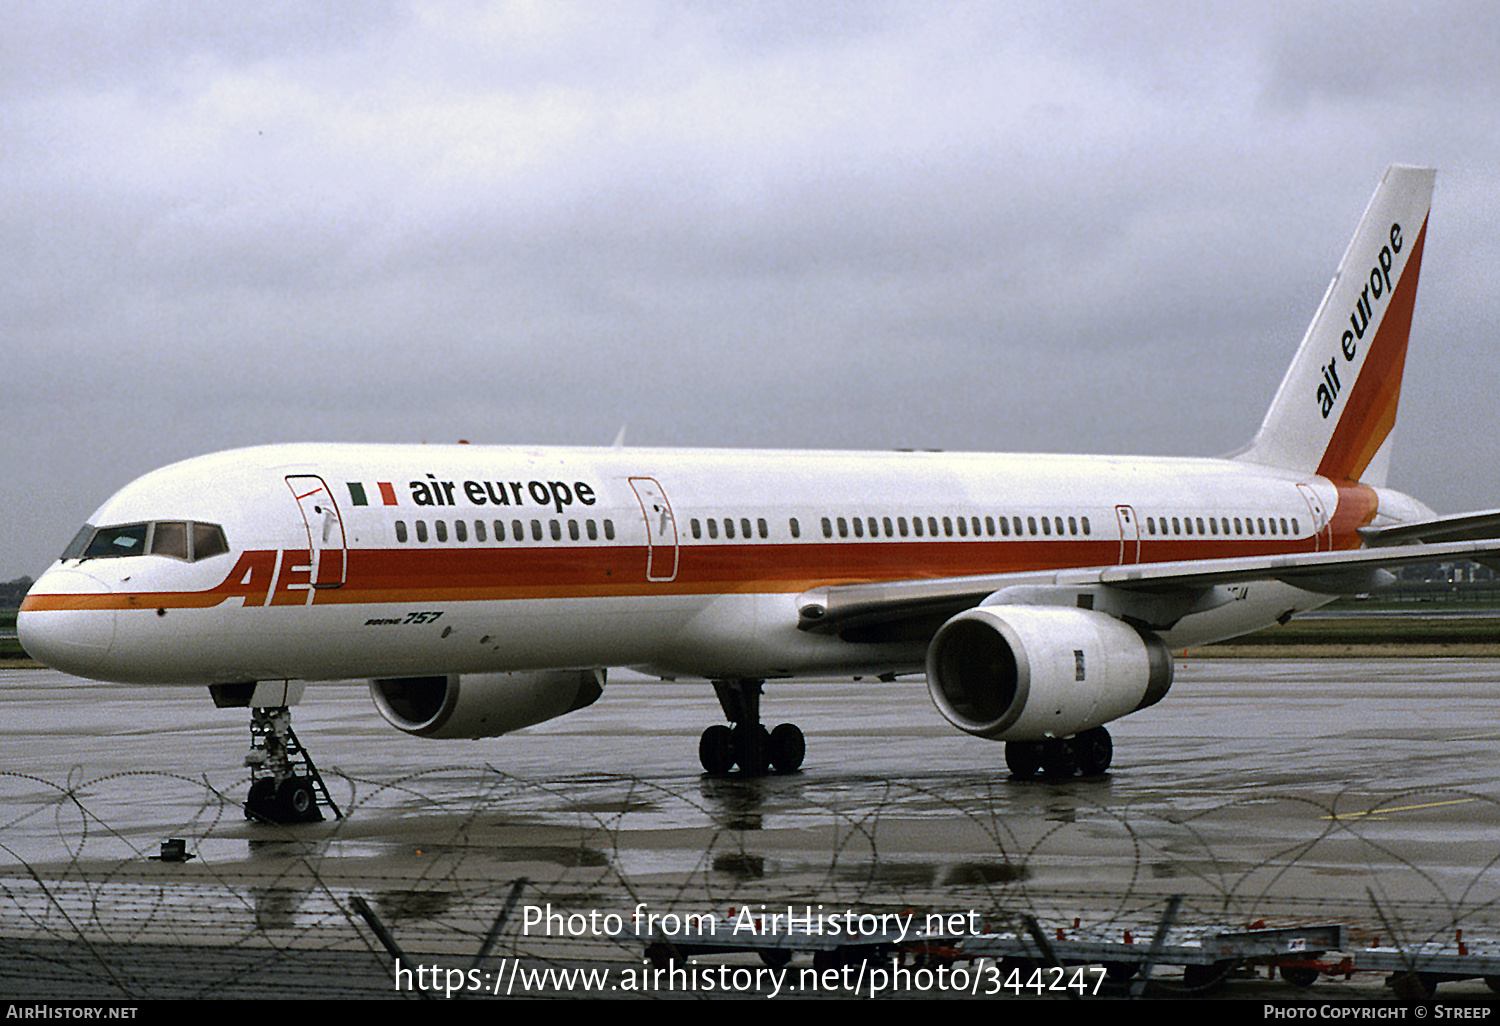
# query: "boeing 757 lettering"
(484, 589)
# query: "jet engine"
(1026, 673)
(483, 704)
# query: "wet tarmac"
(1362, 792)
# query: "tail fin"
(1337, 404)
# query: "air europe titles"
(557, 494)
(1378, 285)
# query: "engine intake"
(484, 704)
(1025, 673)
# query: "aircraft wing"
(1455, 527)
(1157, 594)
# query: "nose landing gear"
(285, 786)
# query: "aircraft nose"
(62, 623)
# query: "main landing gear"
(1087, 754)
(748, 744)
(285, 786)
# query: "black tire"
(716, 750)
(1206, 978)
(788, 748)
(776, 958)
(261, 802)
(1023, 759)
(1058, 759)
(1094, 751)
(296, 802)
(1299, 975)
(751, 744)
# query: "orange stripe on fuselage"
(472, 574)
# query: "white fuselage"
(380, 560)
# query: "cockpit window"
(179, 539)
(170, 538)
(208, 540)
(125, 540)
(80, 542)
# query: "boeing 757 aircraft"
(482, 589)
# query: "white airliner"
(483, 589)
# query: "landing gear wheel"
(1094, 750)
(716, 750)
(751, 744)
(296, 802)
(261, 803)
(787, 748)
(1058, 760)
(1024, 759)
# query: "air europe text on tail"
(1337, 404)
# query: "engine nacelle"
(483, 704)
(1025, 673)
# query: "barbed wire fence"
(86, 911)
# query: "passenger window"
(518, 530)
(441, 527)
(843, 528)
(460, 531)
(609, 530)
(592, 529)
(765, 530)
(401, 531)
(963, 528)
(890, 529)
(794, 527)
(1031, 526)
(916, 526)
(421, 530)
(932, 526)
(713, 529)
(745, 528)
(1005, 526)
(947, 527)
(555, 529)
(1046, 526)
(696, 528)
(729, 528)
(499, 530)
(859, 528)
(479, 530)
(901, 526)
(1295, 528)
(827, 528)
(536, 530)
(573, 530)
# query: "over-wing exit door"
(326, 543)
(661, 529)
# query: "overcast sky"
(998, 226)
